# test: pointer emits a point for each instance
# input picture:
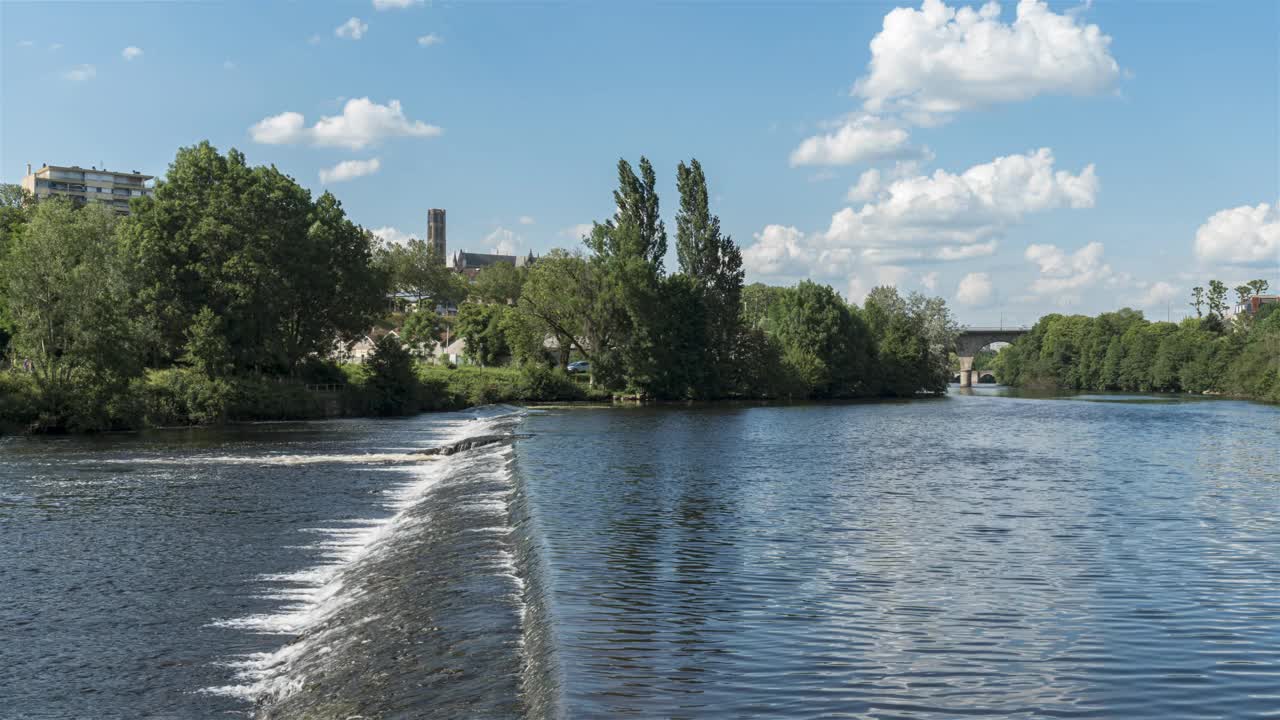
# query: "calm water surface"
(976, 556)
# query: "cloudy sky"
(1015, 158)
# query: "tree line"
(698, 333)
(1124, 351)
(232, 280)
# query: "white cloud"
(503, 241)
(939, 59)
(1062, 275)
(966, 252)
(929, 281)
(576, 232)
(921, 218)
(867, 188)
(1158, 295)
(287, 127)
(966, 209)
(362, 123)
(131, 53)
(974, 289)
(430, 39)
(526, 220)
(314, 39)
(26, 43)
(353, 29)
(350, 169)
(778, 250)
(394, 4)
(80, 73)
(55, 47)
(228, 65)
(392, 235)
(859, 139)
(1241, 236)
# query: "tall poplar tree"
(714, 262)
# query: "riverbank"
(184, 397)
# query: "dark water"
(978, 556)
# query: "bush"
(180, 396)
(18, 407)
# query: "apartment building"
(83, 185)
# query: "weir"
(437, 612)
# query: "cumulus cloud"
(1062, 275)
(430, 39)
(392, 235)
(81, 73)
(350, 169)
(362, 123)
(942, 217)
(974, 289)
(949, 209)
(353, 29)
(526, 220)
(394, 4)
(1158, 294)
(778, 250)
(867, 188)
(859, 139)
(1241, 236)
(503, 241)
(939, 59)
(929, 281)
(131, 53)
(576, 232)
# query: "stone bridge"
(971, 340)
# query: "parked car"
(579, 366)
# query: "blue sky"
(1016, 160)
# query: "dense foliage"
(1123, 351)
(229, 293)
(698, 333)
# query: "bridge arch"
(972, 340)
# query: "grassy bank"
(183, 396)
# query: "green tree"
(714, 263)
(566, 294)
(391, 386)
(1197, 300)
(628, 252)
(65, 287)
(499, 283)
(1243, 292)
(1217, 298)
(15, 210)
(480, 325)
(286, 275)
(420, 331)
(1259, 287)
(415, 271)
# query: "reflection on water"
(969, 556)
(991, 554)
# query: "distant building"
(436, 233)
(1252, 305)
(470, 264)
(80, 185)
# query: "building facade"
(470, 264)
(436, 233)
(81, 185)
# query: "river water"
(974, 556)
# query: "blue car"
(579, 366)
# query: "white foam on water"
(316, 594)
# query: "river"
(979, 555)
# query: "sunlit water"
(1096, 556)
